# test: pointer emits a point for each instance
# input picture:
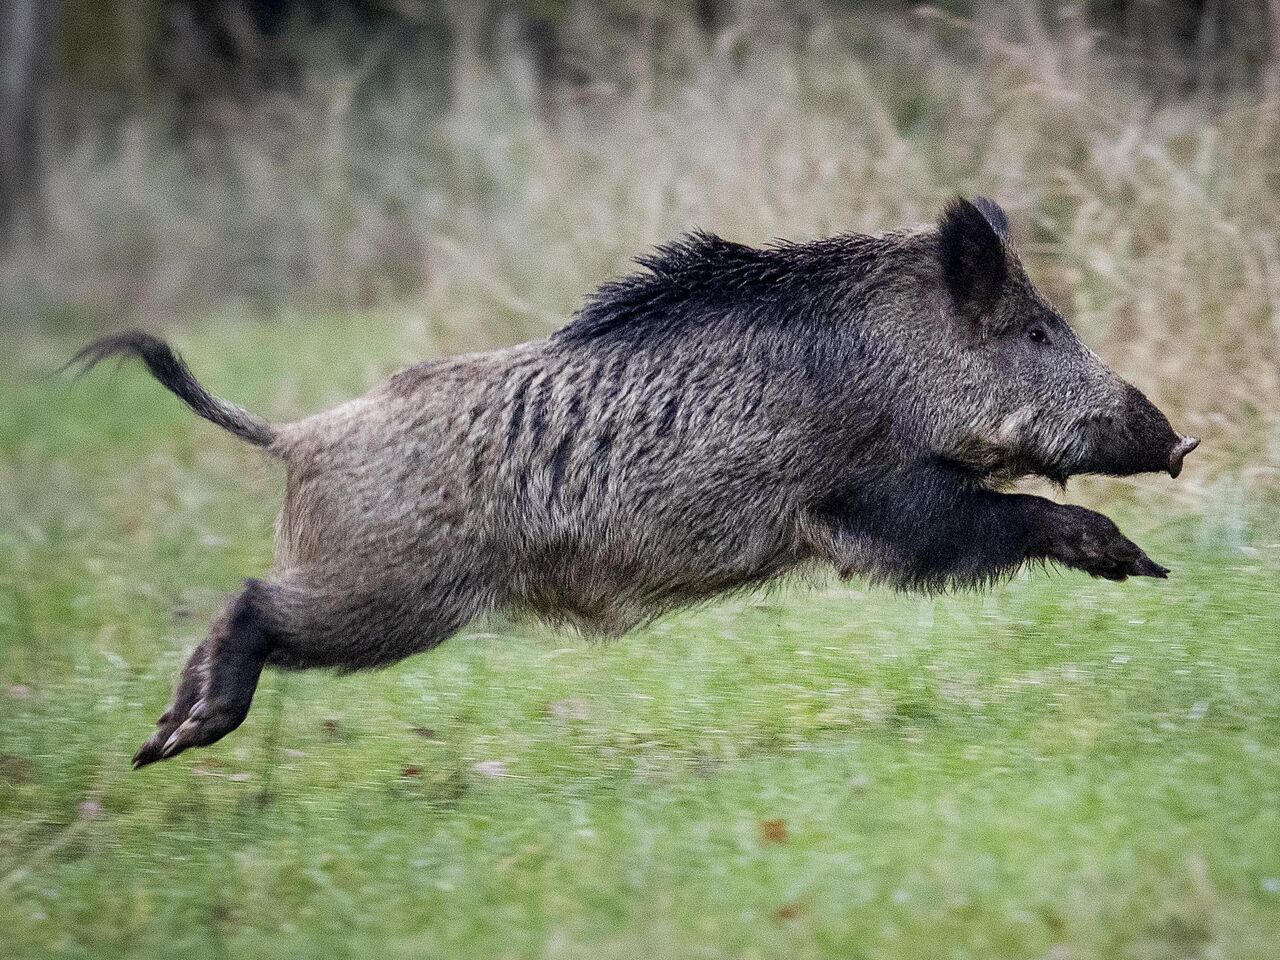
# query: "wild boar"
(719, 418)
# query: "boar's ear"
(971, 247)
(994, 214)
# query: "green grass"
(1059, 769)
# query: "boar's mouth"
(1010, 454)
(1137, 440)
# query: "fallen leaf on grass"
(225, 915)
(773, 831)
(790, 911)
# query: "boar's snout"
(1179, 452)
(1139, 439)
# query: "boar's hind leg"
(218, 682)
(347, 625)
(302, 622)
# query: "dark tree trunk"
(27, 34)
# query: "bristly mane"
(701, 275)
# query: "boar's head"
(1028, 397)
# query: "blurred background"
(466, 172)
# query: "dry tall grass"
(1156, 225)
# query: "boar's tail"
(167, 367)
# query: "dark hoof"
(150, 751)
(1146, 567)
(207, 722)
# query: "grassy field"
(1060, 769)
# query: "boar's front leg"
(1000, 531)
(1088, 541)
(930, 532)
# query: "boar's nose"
(1179, 453)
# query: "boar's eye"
(1038, 335)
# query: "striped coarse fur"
(723, 417)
